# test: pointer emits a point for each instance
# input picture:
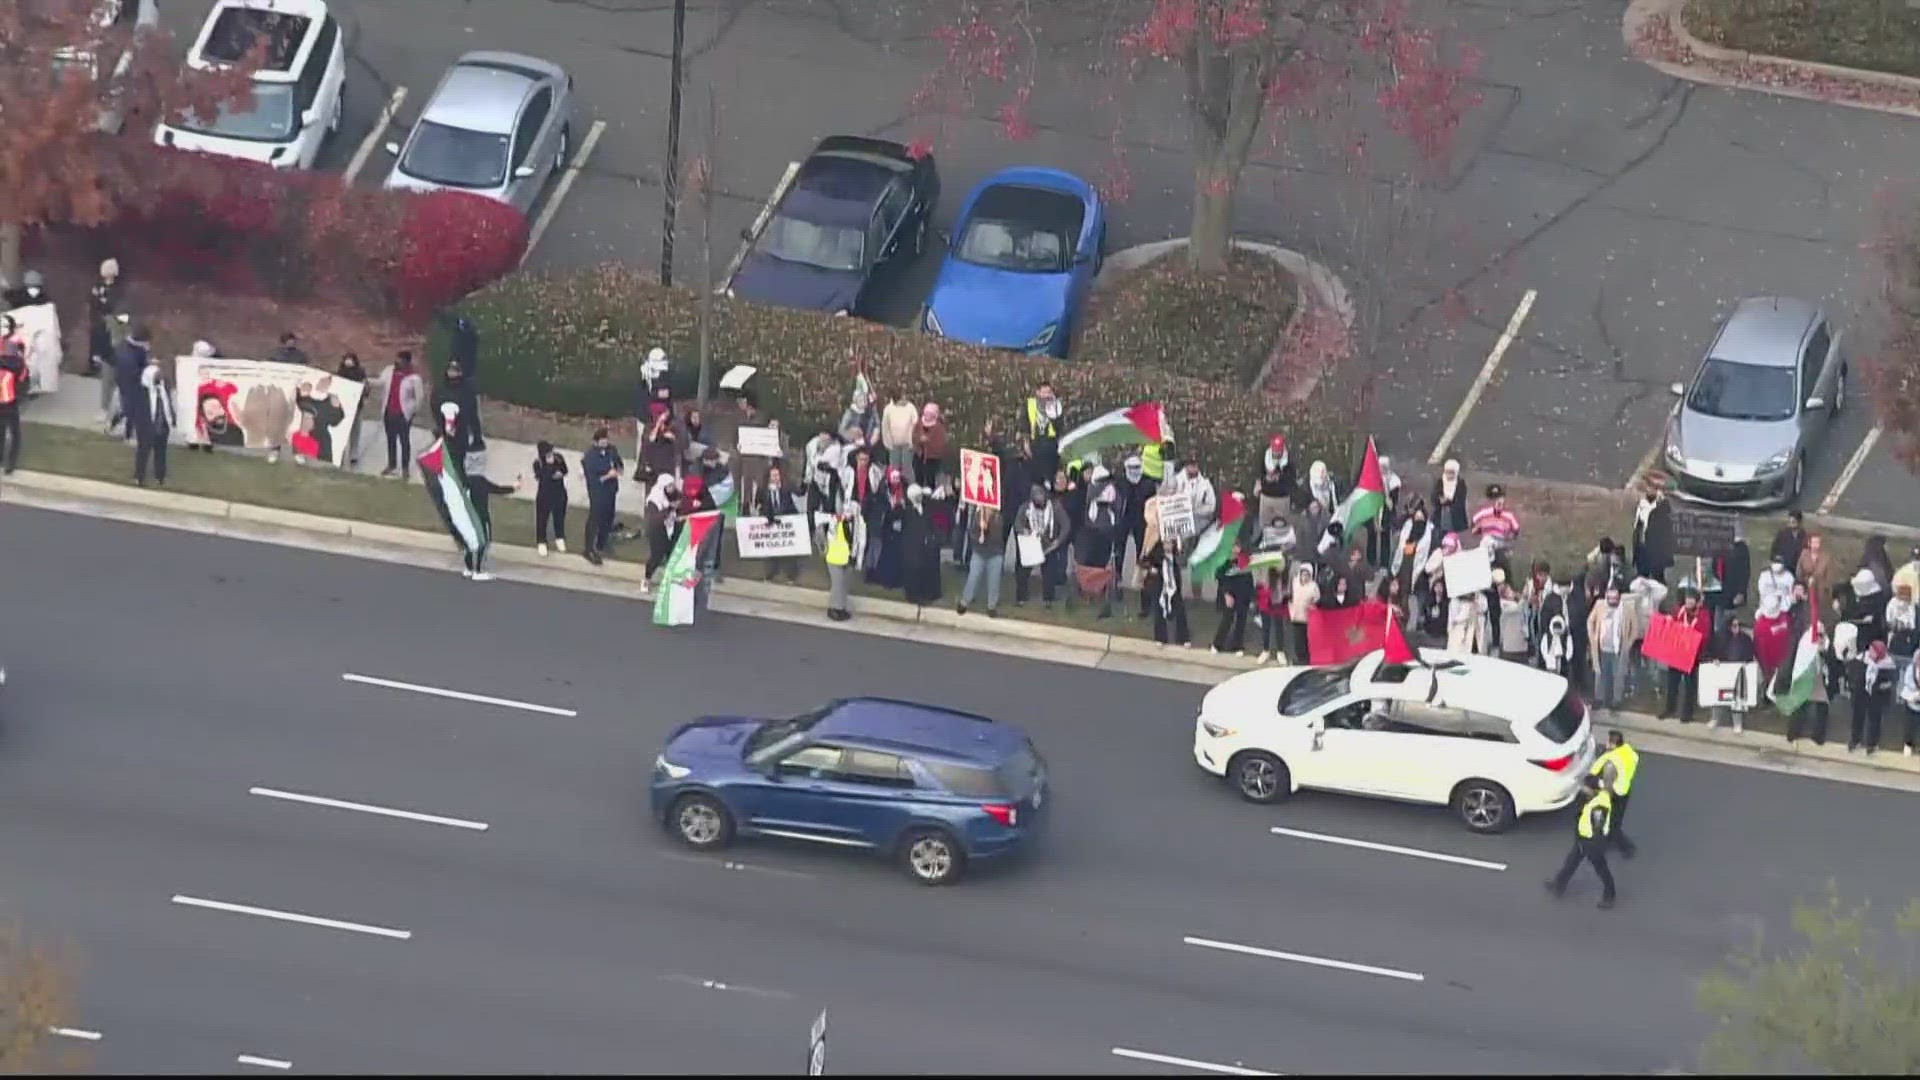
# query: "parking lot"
(1634, 208)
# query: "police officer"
(1616, 769)
(1590, 842)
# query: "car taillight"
(1002, 813)
(1558, 764)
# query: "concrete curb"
(1650, 23)
(880, 618)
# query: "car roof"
(1765, 331)
(481, 95)
(832, 189)
(1482, 684)
(1015, 201)
(909, 726)
(232, 28)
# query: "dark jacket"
(1653, 541)
(601, 466)
(1735, 571)
(550, 477)
(775, 502)
(467, 432)
(1787, 545)
(1093, 539)
(142, 414)
(128, 365)
(479, 490)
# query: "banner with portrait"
(265, 405)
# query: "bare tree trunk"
(1210, 233)
(1226, 99)
(10, 252)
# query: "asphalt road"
(159, 677)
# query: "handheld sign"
(980, 479)
(760, 442)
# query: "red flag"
(1336, 635)
(1671, 642)
(1398, 651)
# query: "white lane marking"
(457, 695)
(1391, 849)
(1301, 958)
(76, 1033)
(734, 988)
(1188, 1063)
(561, 189)
(380, 125)
(264, 1062)
(1487, 369)
(368, 808)
(759, 223)
(293, 917)
(1847, 474)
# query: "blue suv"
(932, 787)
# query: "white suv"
(1493, 740)
(297, 92)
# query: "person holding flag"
(1365, 504)
(1805, 695)
(446, 484)
(680, 578)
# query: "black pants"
(1867, 712)
(599, 520)
(1813, 715)
(1231, 635)
(1271, 633)
(549, 507)
(658, 545)
(1616, 829)
(1594, 852)
(399, 443)
(1175, 612)
(1913, 726)
(925, 471)
(1676, 680)
(152, 447)
(10, 437)
(1022, 574)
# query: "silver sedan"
(499, 125)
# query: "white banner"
(40, 333)
(262, 405)
(1734, 685)
(1469, 570)
(780, 537)
(760, 442)
(1176, 515)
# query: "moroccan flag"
(1806, 673)
(1397, 649)
(1337, 635)
(1215, 546)
(1366, 500)
(447, 487)
(674, 605)
(1136, 425)
(1671, 642)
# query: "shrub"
(1221, 329)
(572, 343)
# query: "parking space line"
(293, 917)
(1847, 474)
(759, 223)
(457, 695)
(1302, 958)
(76, 1033)
(1479, 386)
(263, 1062)
(1188, 1063)
(380, 125)
(1391, 849)
(565, 185)
(368, 808)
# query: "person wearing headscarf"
(1870, 675)
(1555, 653)
(1876, 560)
(1093, 544)
(1320, 487)
(887, 532)
(821, 459)
(919, 550)
(1909, 571)
(1236, 597)
(1310, 530)
(457, 389)
(1162, 582)
(660, 516)
(1038, 533)
(549, 497)
(1467, 624)
(1736, 646)
(1448, 500)
(929, 445)
(1132, 489)
(1278, 482)
(1898, 619)
(1381, 532)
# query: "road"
(162, 677)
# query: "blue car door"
(793, 801)
(872, 798)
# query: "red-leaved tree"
(81, 88)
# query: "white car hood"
(1251, 694)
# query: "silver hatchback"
(1773, 379)
(499, 125)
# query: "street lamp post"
(672, 174)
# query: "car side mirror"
(393, 148)
(1816, 403)
(1678, 390)
(523, 172)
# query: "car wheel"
(701, 822)
(1483, 806)
(1260, 777)
(932, 856)
(560, 156)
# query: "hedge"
(290, 234)
(1221, 329)
(572, 342)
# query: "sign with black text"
(1707, 533)
(786, 536)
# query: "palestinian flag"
(1806, 673)
(1144, 424)
(862, 389)
(1215, 546)
(674, 604)
(1367, 499)
(447, 487)
(1397, 649)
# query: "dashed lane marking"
(1188, 1063)
(1391, 849)
(456, 695)
(293, 917)
(367, 808)
(1302, 958)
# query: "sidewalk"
(77, 405)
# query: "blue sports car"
(931, 787)
(1020, 262)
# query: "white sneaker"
(1214, 650)
(542, 550)
(466, 573)
(559, 545)
(483, 576)
(1263, 658)
(1907, 750)
(1739, 728)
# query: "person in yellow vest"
(1153, 461)
(1043, 430)
(842, 548)
(1589, 841)
(1616, 769)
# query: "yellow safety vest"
(1039, 424)
(1626, 762)
(839, 547)
(1603, 801)
(1150, 462)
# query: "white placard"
(40, 331)
(1736, 685)
(773, 538)
(760, 442)
(262, 404)
(736, 377)
(1469, 570)
(1176, 515)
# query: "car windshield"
(1014, 245)
(269, 117)
(829, 247)
(1563, 723)
(1313, 688)
(456, 157)
(773, 739)
(1733, 391)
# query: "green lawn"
(1879, 35)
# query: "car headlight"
(1674, 456)
(673, 772)
(1215, 731)
(1045, 337)
(931, 324)
(1778, 462)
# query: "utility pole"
(672, 175)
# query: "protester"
(1380, 531)
(886, 521)
(1870, 680)
(1775, 582)
(289, 350)
(1899, 618)
(1340, 595)
(1772, 636)
(401, 392)
(128, 365)
(1909, 572)
(777, 499)
(660, 450)
(1611, 630)
(1685, 685)
(1236, 593)
(1277, 483)
(351, 371)
(1038, 535)
(1129, 509)
(1555, 654)
(897, 423)
(1909, 694)
(1320, 486)
(480, 491)
(1814, 567)
(1093, 545)
(660, 517)
(549, 497)
(1163, 584)
(986, 559)
(920, 550)
(600, 467)
(1270, 611)
(1737, 648)
(1448, 503)
(1301, 600)
(1864, 605)
(1043, 430)
(13, 384)
(1789, 542)
(103, 301)
(842, 555)
(1876, 561)
(152, 422)
(458, 389)
(1495, 523)
(1652, 549)
(1514, 642)
(1467, 629)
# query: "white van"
(297, 92)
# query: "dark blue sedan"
(853, 217)
(1021, 262)
(932, 787)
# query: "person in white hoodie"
(1899, 621)
(1775, 581)
(1320, 486)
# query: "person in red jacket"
(1697, 617)
(1270, 606)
